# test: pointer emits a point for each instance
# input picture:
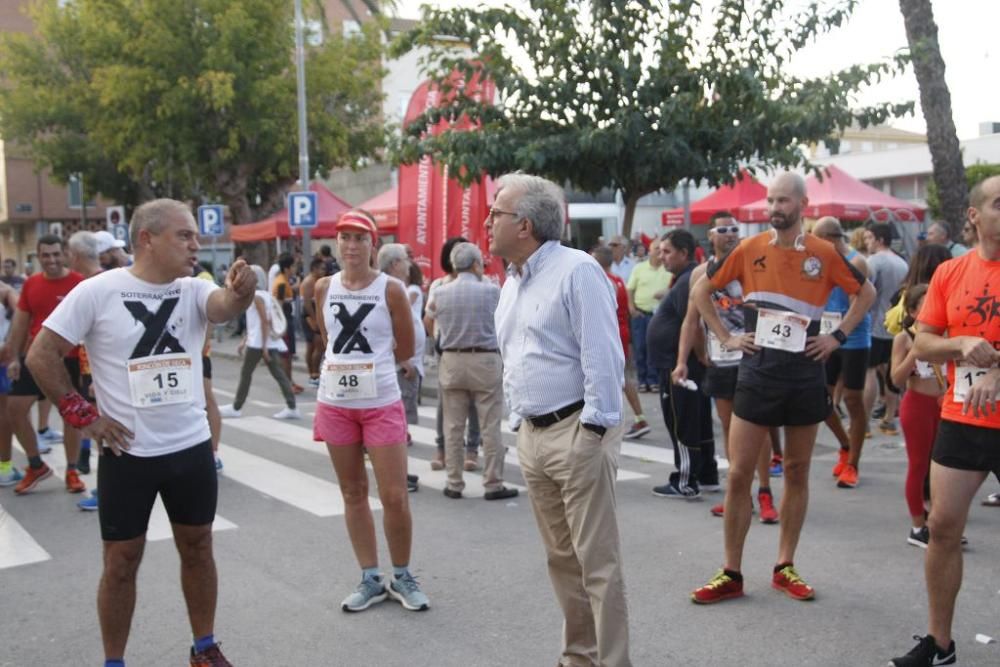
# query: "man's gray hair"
(602, 254)
(465, 256)
(388, 254)
(154, 216)
(84, 244)
(261, 275)
(542, 201)
(942, 228)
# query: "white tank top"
(359, 331)
(253, 325)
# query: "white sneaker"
(51, 435)
(288, 413)
(229, 412)
(43, 446)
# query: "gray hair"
(84, 244)
(388, 254)
(154, 216)
(941, 228)
(464, 256)
(602, 254)
(261, 274)
(542, 202)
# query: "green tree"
(975, 173)
(193, 99)
(935, 101)
(635, 95)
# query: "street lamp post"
(300, 71)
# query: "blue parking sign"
(302, 210)
(211, 220)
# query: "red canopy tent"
(385, 209)
(276, 226)
(841, 195)
(746, 189)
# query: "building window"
(904, 187)
(351, 28)
(312, 32)
(845, 146)
(867, 147)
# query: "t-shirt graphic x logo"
(351, 338)
(155, 339)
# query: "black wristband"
(840, 336)
(596, 428)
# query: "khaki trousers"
(477, 376)
(570, 473)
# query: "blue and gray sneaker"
(11, 478)
(370, 591)
(407, 591)
(89, 504)
(218, 465)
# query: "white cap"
(105, 242)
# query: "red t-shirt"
(41, 295)
(964, 300)
(621, 297)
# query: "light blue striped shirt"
(558, 336)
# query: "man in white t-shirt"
(143, 328)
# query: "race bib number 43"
(160, 380)
(349, 380)
(781, 330)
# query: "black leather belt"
(541, 421)
(469, 349)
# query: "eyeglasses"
(494, 212)
(735, 229)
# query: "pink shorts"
(371, 427)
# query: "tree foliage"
(634, 94)
(193, 99)
(974, 174)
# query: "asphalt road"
(285, 563)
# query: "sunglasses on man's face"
(727, 230)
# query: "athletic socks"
(204, 643)
(114, 663)
(734, 575)
(43, 431)
(35, 462)
(85, 444)
(70, 466)
(369, 573)
(399, 570)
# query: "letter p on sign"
(302, 211)
(211, 220)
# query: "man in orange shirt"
(787, 277)
(960, 324)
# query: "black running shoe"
(926, 654)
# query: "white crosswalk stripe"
(17, 546)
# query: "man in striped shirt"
(563, 375)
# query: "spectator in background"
(111, 251)
(329, 261)
(623, 264)
(640, 252)
(940, 234)
(969, 236)
(310, 325)
(647, 286)
(283, 290)
(857, 241)
(10, 274)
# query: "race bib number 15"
(160, 380)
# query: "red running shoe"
(841, 462)
(720, 587)
(718, 510)
(767, 512)
(32, 476)
(73, 482)
(788, 580)
(210, 657)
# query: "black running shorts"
(782, 404)
(721, 382)
(852, 365)
(967, 447)
(127, 486)
(881, 352)
(25, 384)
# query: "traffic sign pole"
(300, 69)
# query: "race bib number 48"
(781, 330)
(349, 380)
(160, 380)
